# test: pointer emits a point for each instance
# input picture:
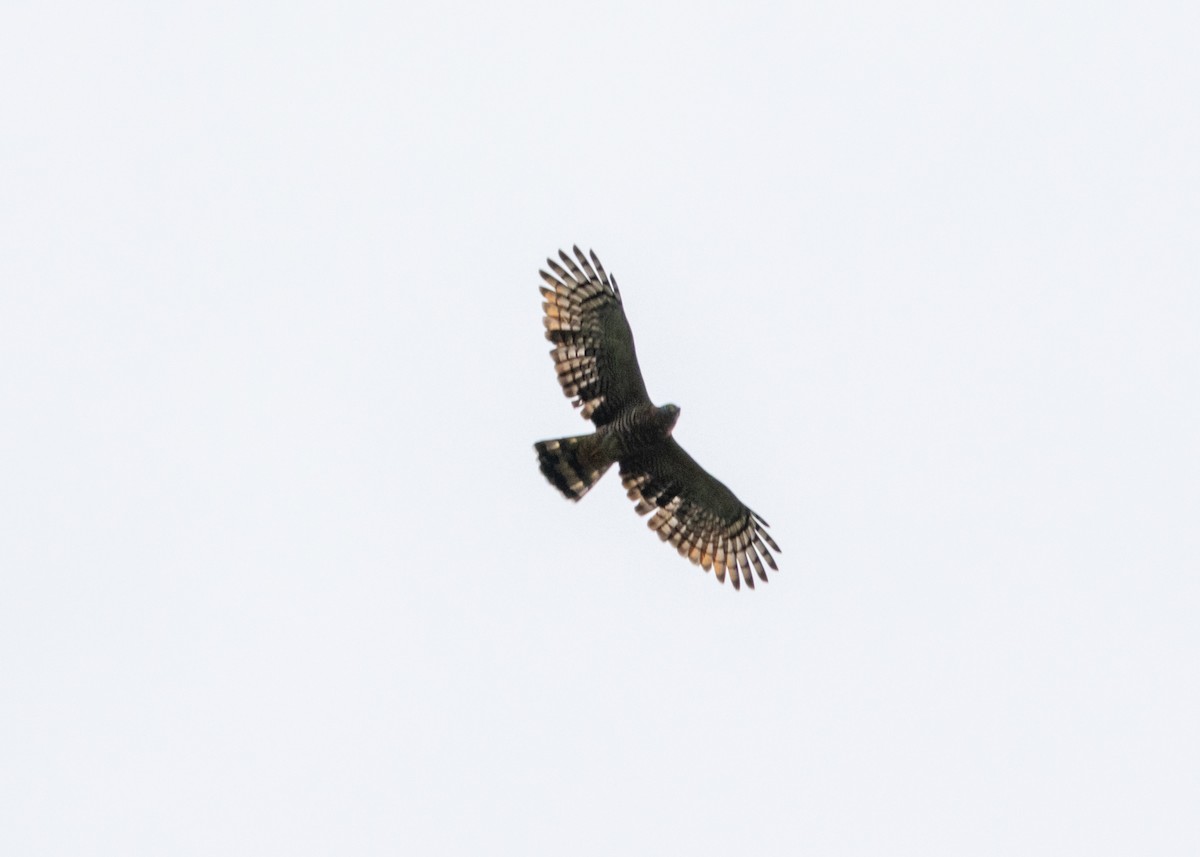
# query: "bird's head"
(670, 414)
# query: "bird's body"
(597, 367)
(574, 464)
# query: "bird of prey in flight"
(598, 369)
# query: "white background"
(279, 572)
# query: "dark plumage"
(597, 367)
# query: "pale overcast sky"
(281, 576)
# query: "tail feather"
(572, 464)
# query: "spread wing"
(697, 514)
(593, 345)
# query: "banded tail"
(572, 464)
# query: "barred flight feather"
(736, 547)
(572, 464)
(585, 320)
